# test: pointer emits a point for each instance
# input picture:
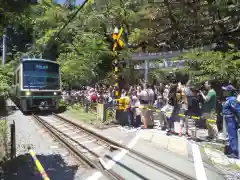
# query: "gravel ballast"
(57, 161)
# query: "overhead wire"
(73, 16)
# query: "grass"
(231, 166)
(3, 138)
(217, 146)
(77, 111)
(82, 115)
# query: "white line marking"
(58, 127)
(76, 137)
(97, 148)
(64, 129)
(116, 158)
(86, 142)
(70, 133)
(53, 147)
(120, 141)
(50, 140)
(95, 176)
(198, 164)
(41, 131)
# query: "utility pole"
(4, 50)
(146, 67)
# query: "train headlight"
(28, 93)
(55, 93)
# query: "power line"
(73, 16)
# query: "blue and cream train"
(36, 85)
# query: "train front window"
(40, 75)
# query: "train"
(36, 85)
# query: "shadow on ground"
(42, 113)
(5, 108)
(47, 113)
(8, 107)
(23, 168)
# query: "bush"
(3, 138)
(62, 104)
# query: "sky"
(77, 1)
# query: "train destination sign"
(41, 67)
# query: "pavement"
(177, 152)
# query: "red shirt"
(94, 97)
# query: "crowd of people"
(172, 100)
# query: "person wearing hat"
(230, 112)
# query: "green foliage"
(5, 79)
(80, 61)
(3, 138)
(220, 66)
(83, 47)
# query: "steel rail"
(141, 155)
(81, 157)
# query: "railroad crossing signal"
(116, 37)
(117, 42)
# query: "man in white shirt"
(165, 94)
(145, 99)
(150, 95)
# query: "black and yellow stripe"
(116, 65)
(122, 105)
(39, 165)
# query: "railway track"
(72, 134)
(87, 157)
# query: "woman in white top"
(137, 112)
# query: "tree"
(219, 66)
(83, 47)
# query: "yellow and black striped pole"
(116, 84)
(116, 37)
(38, 165)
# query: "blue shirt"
(231, 106)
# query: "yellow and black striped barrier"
(38, 165)
(122, 105)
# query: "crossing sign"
(118, 41)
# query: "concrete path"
(176, 152)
